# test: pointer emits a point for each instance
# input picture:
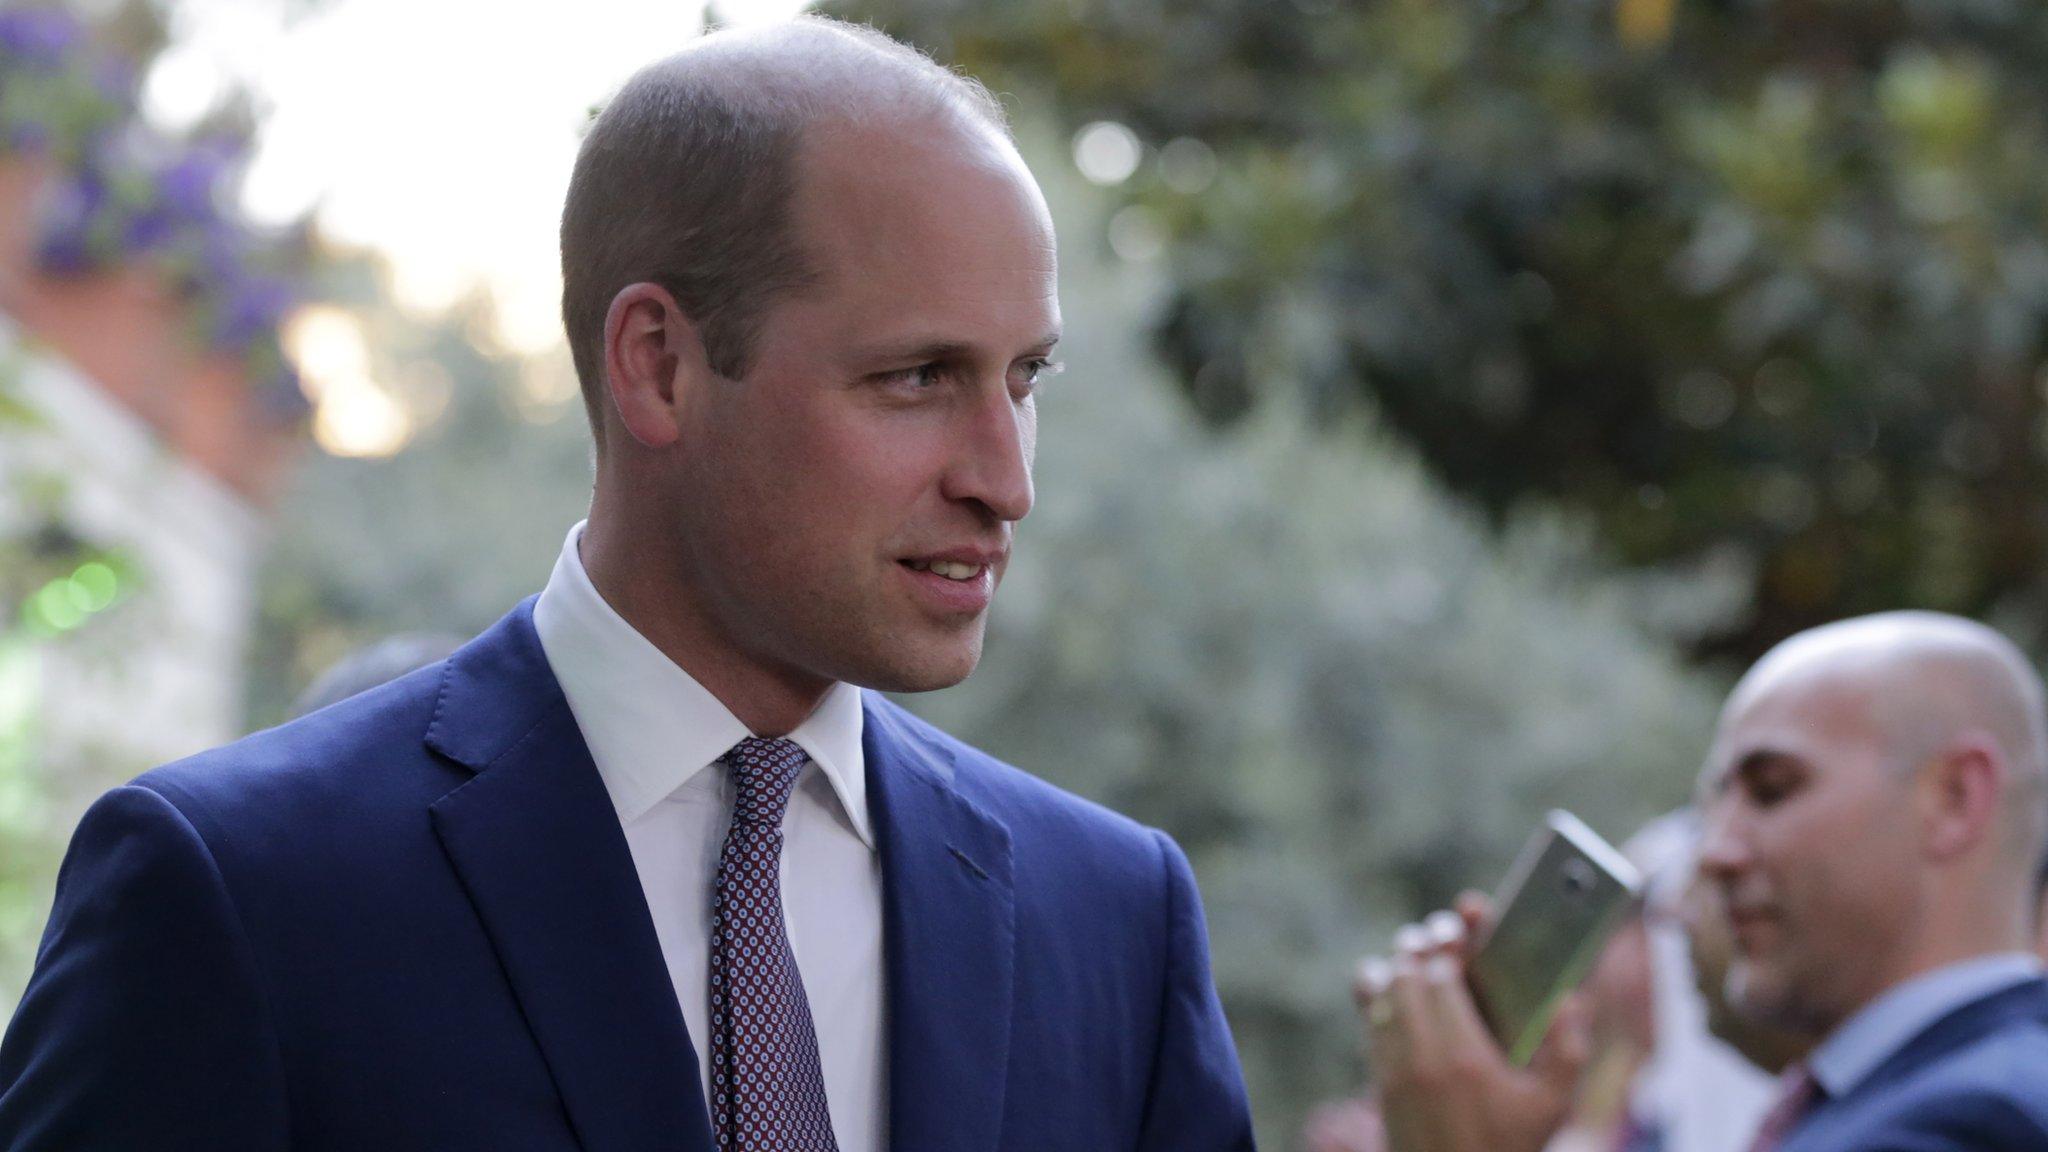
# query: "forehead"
(1820, 720)
(939, 223)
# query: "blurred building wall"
(158, 674)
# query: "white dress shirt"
(656, 735)
(1878, 1030)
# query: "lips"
(955, 582)
(1751, 926)
(957, 570)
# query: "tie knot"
(764, 773)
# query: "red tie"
(1798, 1092)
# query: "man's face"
(1811, 840)
(847, 508)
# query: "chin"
(1772, 997)
(925, 669)
(1753, 994)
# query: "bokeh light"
(1107, 152)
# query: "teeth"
(954, 570)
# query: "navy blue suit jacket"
(1974, 1081)
(411, 921)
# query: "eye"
(1037, 369)
(916, 378)
(1771, 784)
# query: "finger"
(1446, 932)
(1566, 1047)
(1412, 940)
(1409, 1032)
(1369, 981)
(1476, 910)
(1455, 1018)
(1369, 990)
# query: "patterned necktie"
(1798, 1092)
(767, 1088)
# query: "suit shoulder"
(1023, 801)
(1987, 1095)
(344, 755)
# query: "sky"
(440, 132)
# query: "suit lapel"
(949, 938)
(538, 846)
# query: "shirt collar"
(650, 726)
(1885, 1025)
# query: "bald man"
(1874, 807)
(650, 864)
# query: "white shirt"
(1878, 1030)
(656, 735)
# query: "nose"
(993, 465)
(1723, 851)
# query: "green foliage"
(1342, 692)
(1340, 688)
(447, 534)
(1769, 275)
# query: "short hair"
(686, 178)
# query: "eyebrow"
(940, 349)
(1752, 762)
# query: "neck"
(1959, 927)
(639, 577)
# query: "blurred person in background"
(1710, 941)
(1658, 1079)
(1874, 808)
(1695, 1089)
(378, 662)
(643, 865)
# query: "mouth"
(953, 584)
(1752, 927)
(959, 571)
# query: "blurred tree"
(1331, 681)
(1337, 686)
(1769, 273)
(446, 534)
(116, 194)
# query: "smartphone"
(1562, 898)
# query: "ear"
(653, 360)
(1959, 793)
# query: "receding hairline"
(813, 69)
(687, 175)
(1927, 677)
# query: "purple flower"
(223, 250)
(27, 136)
(148, 229)
(253, 307)
(186, 187)
(39, 35)
(65, 252)
(113, 78)
(64, 243)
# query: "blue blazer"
(1974, 1081)
(411, 921)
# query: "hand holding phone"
(1442, 1066)
(1563, 897)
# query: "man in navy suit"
(1875, 808)
(645, 866)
